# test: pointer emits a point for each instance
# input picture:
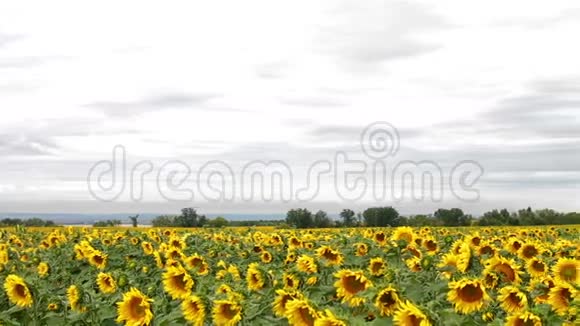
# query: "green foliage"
(188, 218)
(32, 222)
(217, 222)
(321, 220)
(300, 218)
(381, 216)
(452, 217)
(134, 220)
(348, 217)
(107, 223)
(528, 217)
(163, 221)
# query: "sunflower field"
(267, 276)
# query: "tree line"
(389, 216)
(189, 218)
(34, 222)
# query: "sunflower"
(42, 269)
(223, 289)
(561, 296)
(514, 245)
(512, 299)
(506, 269)
(290, 281)
(266, 257)
(290, 258)
(203, 269)
(467, 295)
(17, 291)
(487, 316)
(474, 240)
(486, 248)
(193, 310)
(523, 319)
(306, 264)
(377, 266)
(349, 284)
(174, 253)
(73, 296)
(328, 319)
(490, 280)
(414, 264)
(529, 250)
(147, 247)
(177, 242)
(409, 315)
(172, 263)
(52, 306)
(300, 313)
(539, 289)
(177, 282)
(361, 249)
(294, 242)
(234, 272)
(226, 313)
(254, 278)
(413, 250)
(106, 283)
(567, 270)
(332, 257)
(158, 260)
(387, 301)
(536, 267)
(281, 300)
(311, 280)
(98, 259)
(430, 245)
(448, 264)
(134, 309)
(275, 239)
(463, 257)
(403, 233)
(194, 262)
(380, 238)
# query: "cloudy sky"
(494, 82)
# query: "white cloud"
(239, 81)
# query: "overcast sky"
(496, 82)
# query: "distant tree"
(422, 220)
(217, 222)
(300, 218)
(547, 216)
(348, 217)
(359, 218)
(189, 218)
(202, 220)
(381, 216)
(452, 217)
(570, 218)
(163, 221)
(32, 222)
(107, 223)
(403, 221)
(498, 217)
(134, 220)
(321, 220)
(527, 216)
